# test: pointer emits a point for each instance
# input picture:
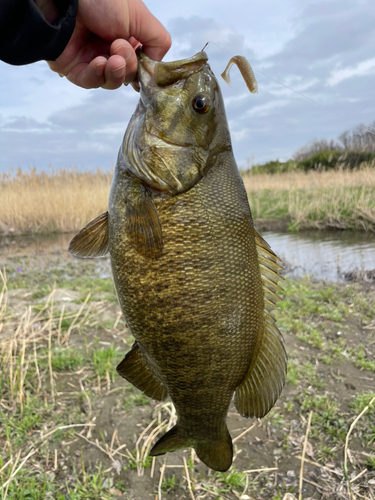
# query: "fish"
(196, 282)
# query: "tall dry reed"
(62, 201)
(335, 199)
(65, 200)
(310, 180)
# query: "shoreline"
(282, 225)
(51, 247)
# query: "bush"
(322, 161)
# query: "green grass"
(105, 361)
(327, 420)
(65, 359)
(32, 486)
(314, 313)
(326, 200)
(323, 208)
(362, 360)
(135, 399)
(93, 485)
(232, 478)
(303, 372)
(132, 461)
(168, 484)
(308, 310)
(360, 402)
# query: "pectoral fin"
(92, 240)
(135, 370)
(142, 226)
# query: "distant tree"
(316, 147)
(352, 149)
(360, 139)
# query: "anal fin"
(92, 240)
(134, 369)
(265, 378)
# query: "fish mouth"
(157, 141)
(168, 73)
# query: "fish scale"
(195, 281)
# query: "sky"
(323, 49)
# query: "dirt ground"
(88, 432)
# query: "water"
(325, 255)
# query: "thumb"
(145, 28)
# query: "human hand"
(101, 51)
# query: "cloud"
(361, 69)
(321, 48)
(281, 90)
(267, 108)
(327, 32)
(235, 99)
(22, 123)
(239, 135)
(101, 109)
(191, 34)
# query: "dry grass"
(310, 180)
(334, 199)
(66, 200)
(74, 431)
(63, 201)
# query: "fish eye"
(201, 104)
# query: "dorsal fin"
(265, 378)
(269, 268)
(92, 240)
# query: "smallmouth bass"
(195, 281)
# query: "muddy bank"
(88, 431)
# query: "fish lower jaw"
(156, 141)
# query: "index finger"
(155, 39)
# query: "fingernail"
(117, 73)
(125, 50)
(99, 70)
(128, 53)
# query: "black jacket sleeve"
(25, 35)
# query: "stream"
(322, 254)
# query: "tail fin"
(217, 455)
